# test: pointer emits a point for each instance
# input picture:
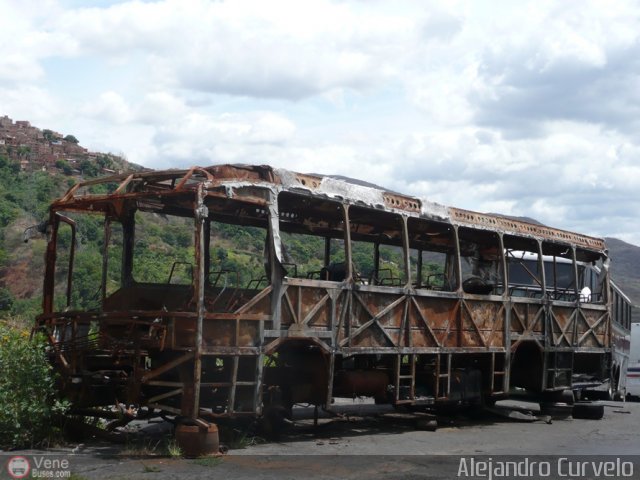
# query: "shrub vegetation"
(28, 405)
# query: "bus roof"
(236, 176)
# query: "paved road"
(389, 446)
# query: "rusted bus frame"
(460, 306)
(620, 333)
(74, 319)
(404, 218)
(51, 255)
(402, 298)
(405, 295)
(458, 294)
(124, 180)
(200, 215)
(83, 202)
(549, 340)
(68, 204)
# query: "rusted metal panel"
(563, 321)
(307, 307)
(438, 317)
(483, 324)
(527, 319)
(376, 319)
(592, 328)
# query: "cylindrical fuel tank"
(196, 441)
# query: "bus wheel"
(588, 410)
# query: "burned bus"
(273, 288)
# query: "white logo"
(18, 467)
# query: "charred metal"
(479, 304)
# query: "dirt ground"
(381, 445)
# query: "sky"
(527, 108)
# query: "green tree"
(8, 168)
(71, 139)
(104, 161)
(89, 168)
(8, 212)
(63, 165)
(24, 151)
(47, 134)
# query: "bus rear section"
(633, 370)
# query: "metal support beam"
(201, 214)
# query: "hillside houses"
(38, 149)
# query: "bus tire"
(588, 411)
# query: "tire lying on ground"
(588, 410)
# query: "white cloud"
(523, 108)
(200, 139)
(159, 108)
(31, 103)
(15, 68)
(563, 63)
(19, 61)
(282, 49)
(109, 107)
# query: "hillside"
(33, 149)
(625, 267)
(36, 166)
(24, 201)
